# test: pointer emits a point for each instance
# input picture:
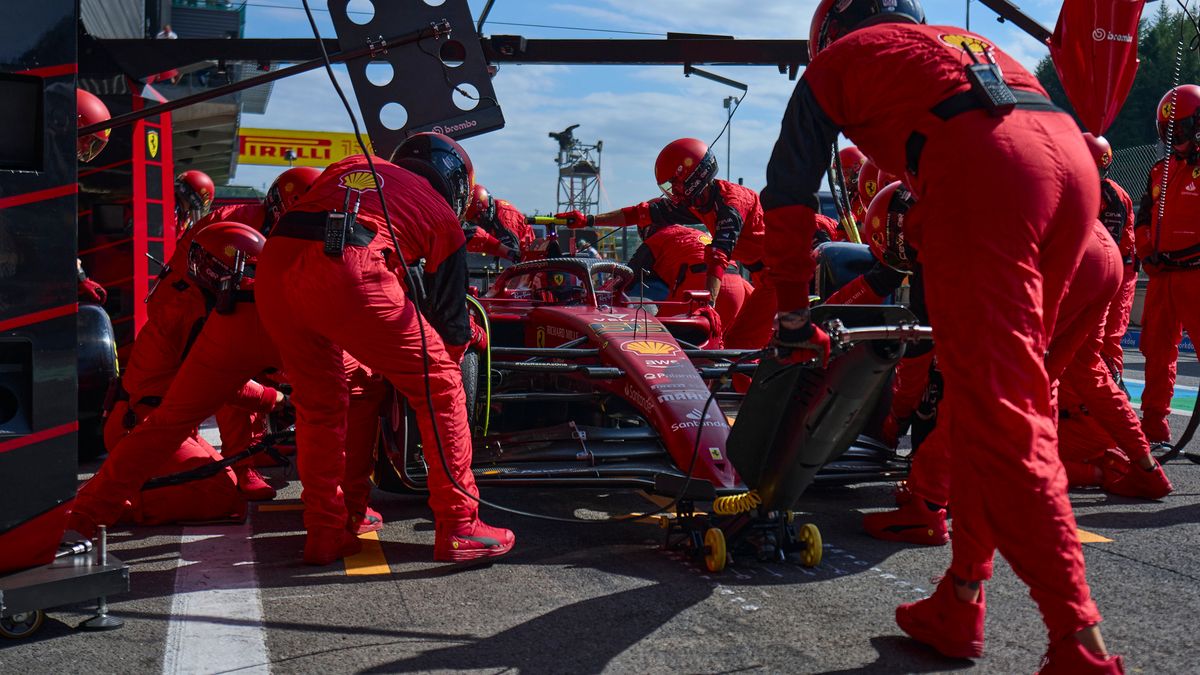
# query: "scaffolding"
(578, 172)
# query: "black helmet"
(442, 162)
(833, 19)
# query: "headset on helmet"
(1181, 104)
(286, 190)
(833, 19)
(89, 110)
(884, 227)
(441, 161)
(482, 206)
(1100, 149)
(222, 258)
(684, 169)
(195, 189)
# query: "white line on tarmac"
(1184, 387)
(216, 613)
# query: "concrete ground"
(598, 598)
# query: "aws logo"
(650, 348)
(966, 42)
(359, 181)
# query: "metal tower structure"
(578, 172)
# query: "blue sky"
(635, 110)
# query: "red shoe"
(1069, 657)
(1123, 477)
(902, 494)
(362, 523)
(325, 546)
(953, 627)
(914, 522)
(252, 485)
(1157, 430)
(461, 542)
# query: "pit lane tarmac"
(234, 598)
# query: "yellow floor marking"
(280, 507)
(1086, 537)
(370, 560)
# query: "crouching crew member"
(324, 286)
(675, 255)
(1169, 248)
(165, 441)
(495, 227)
(686, 173)
(194, 192)
(992, 287)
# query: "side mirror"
(698, 297)
(473, 291)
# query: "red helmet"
(684, 169)
(223, 255)
(195, 189)
(286, 190)
(833, 19)
(1101, 150)
(89, 110)
(441, 161)
(482, 206)
(868, 181)
(1181, 104)
(852, 160)
(884, 227)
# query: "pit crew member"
(496, 227)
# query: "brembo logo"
(1100, 35)
(461, 126)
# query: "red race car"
(583, 387)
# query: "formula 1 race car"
(584, 387)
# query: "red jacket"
(671, 252)
(733, 216)
(911, 69)
(422, 221)
(508, 228)
(1180, 226)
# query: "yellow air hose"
(732, 505)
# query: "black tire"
(386, 476)
(97, 366)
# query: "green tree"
(1158, 44)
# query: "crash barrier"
(1132, 339)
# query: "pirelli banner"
(284, 147)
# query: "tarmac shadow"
(582, 637)
(903, 655)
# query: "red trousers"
(756, 321)
(315, 306)
(230, 350)
(1117, 320)
(1172, 306)
(995, 278)
(929, 475)
(367, 392)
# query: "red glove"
(715, 340)
(479, 337)
(799, 340)
(576, 219)
(92, 291)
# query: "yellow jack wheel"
(810, 536)
(19, 626)
(714, 549)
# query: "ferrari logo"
(1196, 172)
(152, 143)
(650, 348)
(541, 336)
(870, 187)
(715, 453)
(972, 43)
(1167, 110)
(358, 181)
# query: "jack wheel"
(714, 549)
(20, 626)
(810, 537)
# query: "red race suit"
(676, 255)
(993, 277)
(508, 228)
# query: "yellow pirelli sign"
(311, 148)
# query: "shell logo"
(973, 43)
(230, 251)
(706, 239)
(358, 180)
(650, 348)
(1155, 191)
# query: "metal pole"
(968, 14)
(434, 30)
